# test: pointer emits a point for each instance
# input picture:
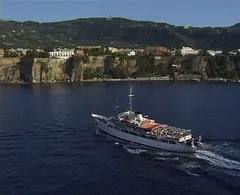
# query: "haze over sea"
(49, 145)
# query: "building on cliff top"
(64, 54)
(188, 51)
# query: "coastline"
(147, 79)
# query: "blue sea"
(49, 144)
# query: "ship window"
(110, 126)
(172, 142)
(163, 140)
(132, 133)
(141, 135)
(103, 121)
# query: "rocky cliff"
(45, 70)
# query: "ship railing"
(176, 131)
(99, 117)
(179, 129)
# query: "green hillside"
(118, 32)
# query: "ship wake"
(220, 157)
(195, 164)
(218, 160)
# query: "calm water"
(48, 142)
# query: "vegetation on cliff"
(115, 31)
(221, 66)
(79, 68)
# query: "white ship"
(134, 127)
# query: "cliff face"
(9, 70)
(48, 70)
(193, 64)
(44, 70)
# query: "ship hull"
(178, 147)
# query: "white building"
(218, 52)
(176, 65)
(131, 53)
(61, 54)
(211, 52)
(173, 52)
(188, 51)
(113, 49)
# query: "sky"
(177, 12)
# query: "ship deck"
(151, 126)
(163, 130)
(172, 132)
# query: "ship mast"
(130, 99)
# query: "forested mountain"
(118, 32)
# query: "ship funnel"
(139, 117)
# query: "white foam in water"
(164, 153)
(166, 156)
(190, 165)
(235, 174)
(97, 132)
(162, 158)
(226, 148)
(193, 174)
(135, 151)
(218, 160)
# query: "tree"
(203, 52)
(211, 68)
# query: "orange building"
(79, 52)
(156, 50)
(1, 53)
